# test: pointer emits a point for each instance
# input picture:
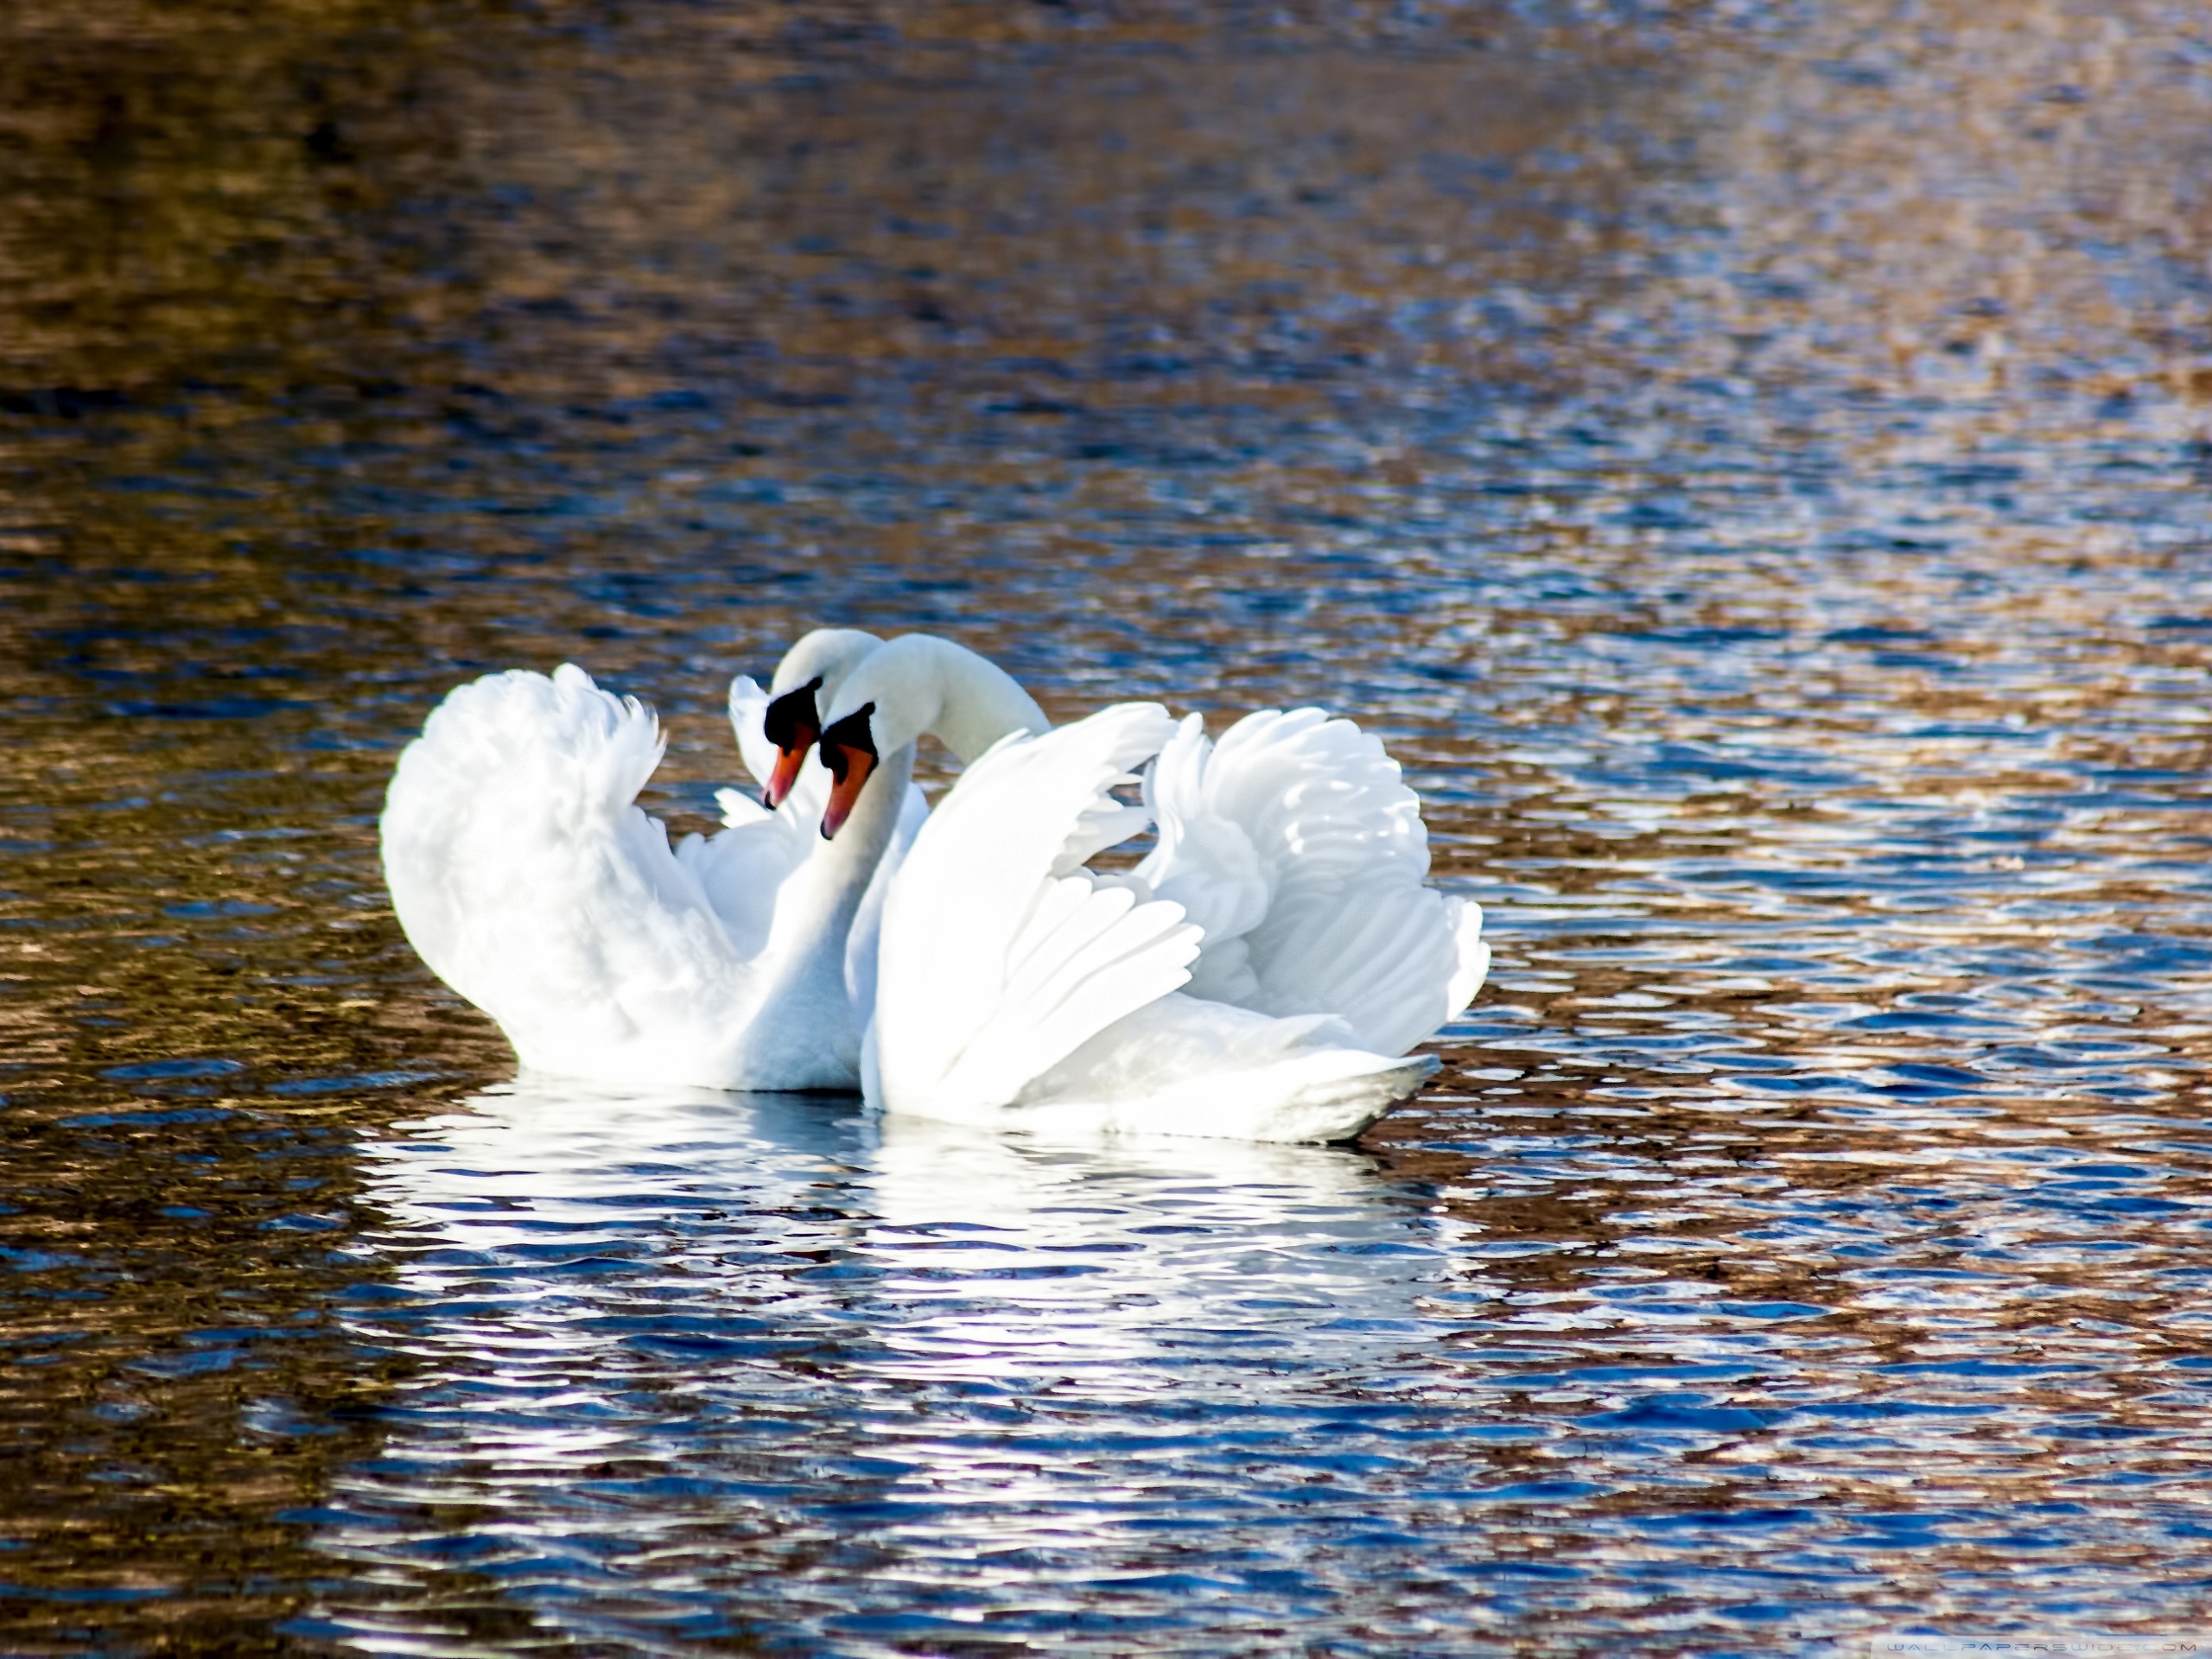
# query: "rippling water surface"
(1750, 463)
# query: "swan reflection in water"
(667, 1337)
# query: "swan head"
(793, 726)
(812, 669)
(849, 750)
(917, 685)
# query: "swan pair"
(1260, 974)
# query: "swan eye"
(791, 722)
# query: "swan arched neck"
(805, 1018)
(820, 900)
(921, 684)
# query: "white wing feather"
(1297, 844)
(1000, 956)
(530, 884)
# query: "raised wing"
(999, 954)
(1296, 843)
(529, 881)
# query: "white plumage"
(1296, 844)
(1260, 976)
(999, 954)
(529, 881)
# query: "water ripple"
(1749, 464)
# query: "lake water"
(1750, 463)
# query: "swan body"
(1260, 976)
(529, 881)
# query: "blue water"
(683, 1369)
(1750, 466)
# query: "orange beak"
(791, 725)
(849, 750)
(846, 791)
(781, 781)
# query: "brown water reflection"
(1751, 463)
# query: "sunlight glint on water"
(1751, 469)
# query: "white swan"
(529, 881)
(1260, 975)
